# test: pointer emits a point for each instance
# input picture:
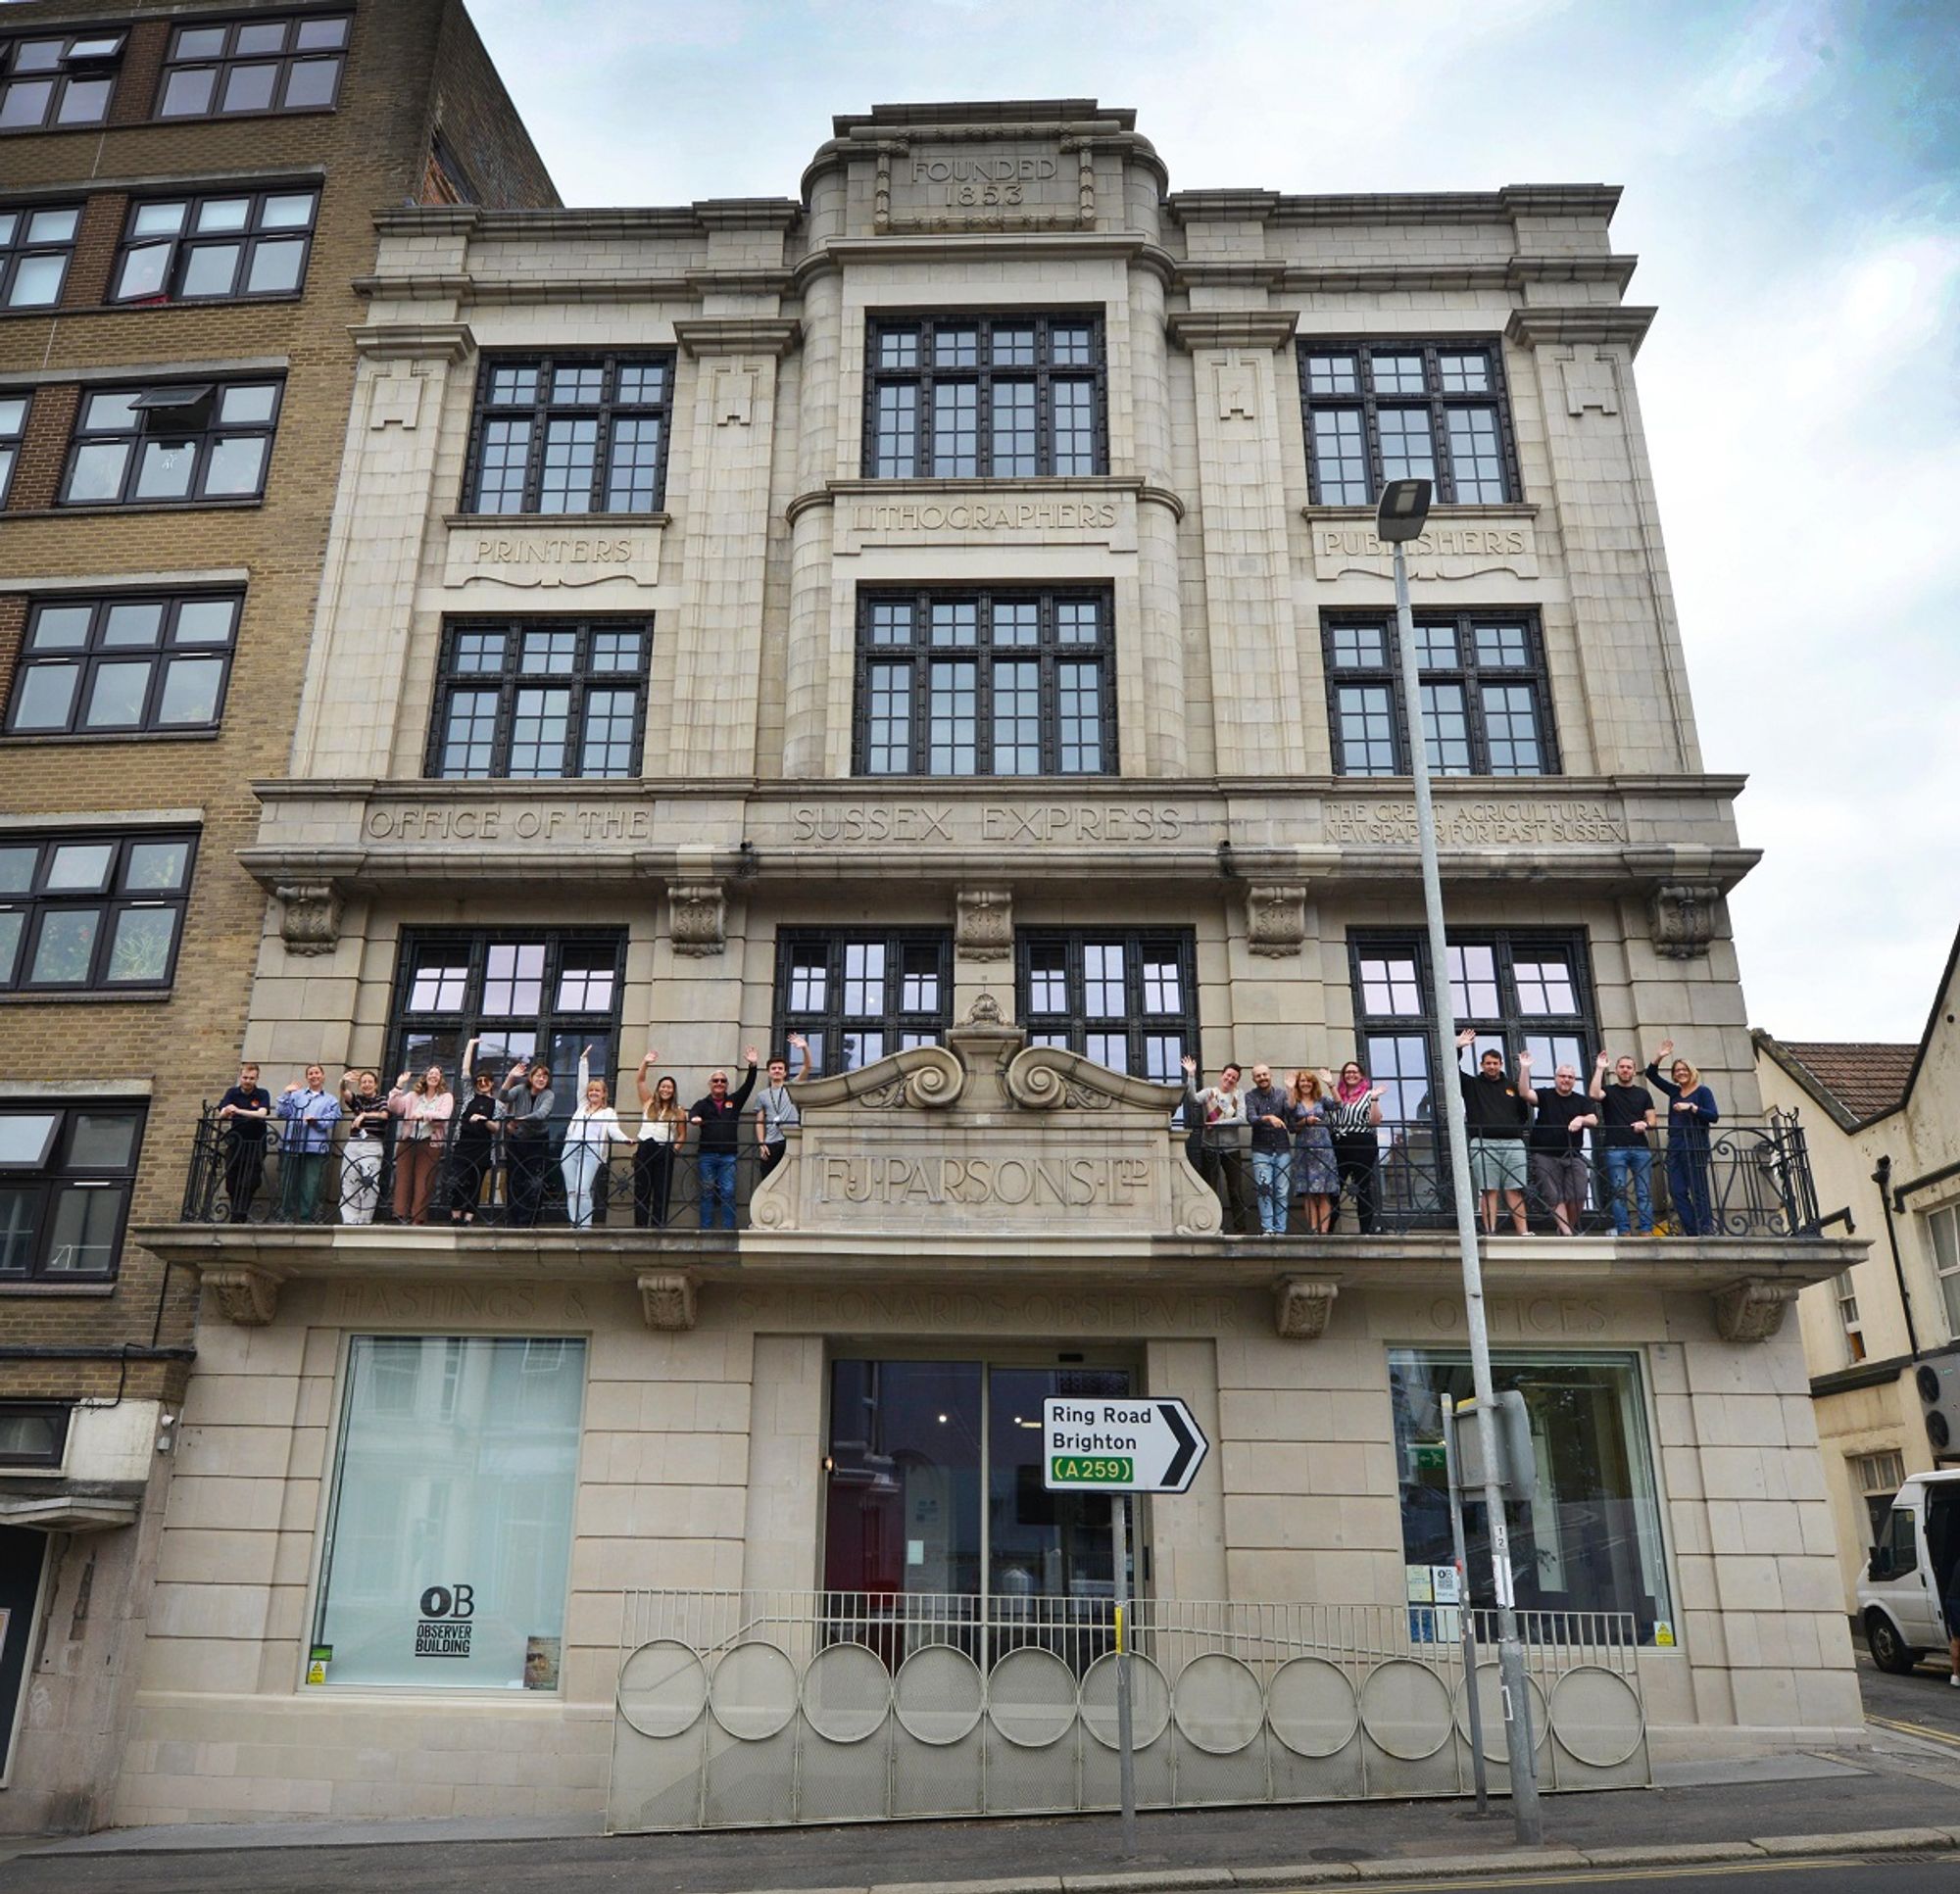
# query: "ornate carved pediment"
(985, 1135)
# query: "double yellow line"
(1945, 1736)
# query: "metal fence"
(741, 1708)
(236, 1179)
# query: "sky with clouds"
(1792, 171)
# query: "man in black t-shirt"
(1496, 1115)
(1558, 1147)
(1626, 1118)
(719, 1119)
(243, 1112)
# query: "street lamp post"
(1403, 508)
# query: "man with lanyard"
(721, 1120)
(1496, 1117)
(776, 1111)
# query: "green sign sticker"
(1090, 1470)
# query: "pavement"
(1894, 1800)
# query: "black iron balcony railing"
(325, 1177)
(1734, 1180)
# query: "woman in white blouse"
(662, 1132)
(588, 1144)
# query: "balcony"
(979, 1167)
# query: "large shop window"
(1486, 703)
(1522, 993)
(1405, 410)
(1126, 998)
(860, 996)
(571, 434)
(934, 1482)
(1014, 396)
(520, 993)
(66, 1175)
(449, 1538)
(987, 684)
(1591, 1538)
(541, 698)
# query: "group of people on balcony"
(1284, 1158)
(450, 1150)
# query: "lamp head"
(1403, 507)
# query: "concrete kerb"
(1408, 1868)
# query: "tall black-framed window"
(1126, 998)
(36, 243)
(540, 697)
(1403, 409)
(218, 246)
(571, 434)
(289, 64)
(148, 665)
(65, 1174)
(1520, 992)
(521, 992)
(997, 683)
(13, 425)
(1485, 699)
(172, 443)
(859, 994)
(94, 911)
(1014, 395)
(53, 80)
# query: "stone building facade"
(186, 200)
(937, 616)
(1885, 1143)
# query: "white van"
(1898, 1597)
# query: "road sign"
(1147, 1445)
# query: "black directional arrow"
(1189, 1444)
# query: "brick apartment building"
(187, 197)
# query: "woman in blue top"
(1690, 1113)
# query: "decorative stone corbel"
(1751, 1310)
(248, 1296)
(308, 916)
(1301, 1307)
(1682, 914)
(985, 927)
(1275, 920)
(697, 917)
(667, 1298)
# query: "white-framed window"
(1875, 1478)
(449, 1536)
(1943, 1232)
(1846, 1293)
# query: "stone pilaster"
(1248, 560)
(720, 632)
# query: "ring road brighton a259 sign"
(1146, 1445)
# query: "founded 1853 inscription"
(982, 181)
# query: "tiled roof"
(1864, 1078)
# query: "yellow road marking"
(1945, 1736)
(1469, 1878)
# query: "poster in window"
(541, 1661)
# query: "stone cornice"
(413, 341)
(702, 335)
(1126, 246)
(1626, 324)
(833, 491)
(1239, 328)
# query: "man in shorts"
(1497, 1116)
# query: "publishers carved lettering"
(995, 822)
(1057, 1183)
